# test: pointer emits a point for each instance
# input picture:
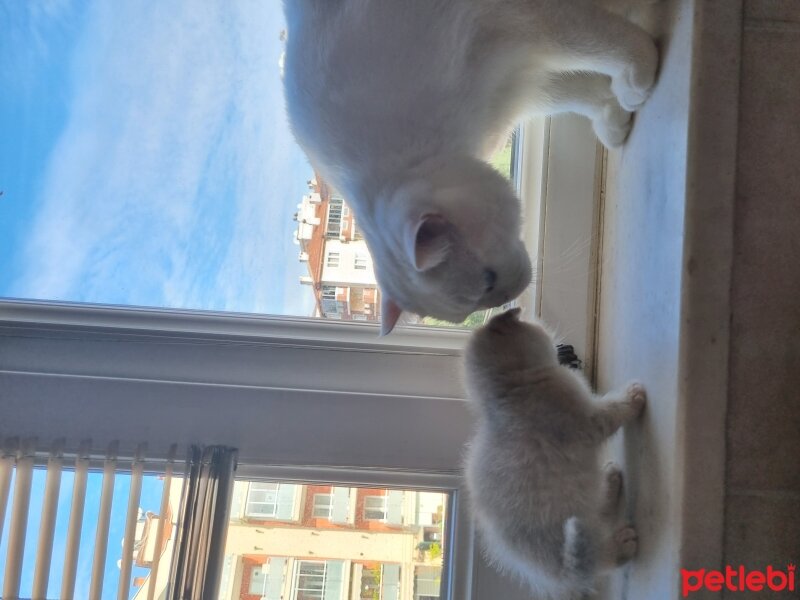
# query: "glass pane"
(352, 558)
(146, 160)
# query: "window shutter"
(237, 500)
(390, 582)
(334, 577)
(340, 505)
(275, 579)
(286, 496)
(394, 507)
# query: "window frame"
(296, 574)
(384, 509)
(332, 260)
(328, 508)
(248, 502)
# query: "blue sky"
(145, 158)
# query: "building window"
(427, 583)
(370, 583)
(318, 580)
(309, 580)
(258, 580)
(361, 262)
(266, 581)
(323, 503)
(333, 228)
(330, 306)
(262, 500)
(333, 259)
(375, 508)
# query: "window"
(265, 580)
(427, 583)
(309, 582)
(333, 259)
(360, 262)
(334, 221)
(258, 580)
(375, 508)
(323, 503)
(397, 380)
(271, 501)
(141, 220)
(315, 580)
(200, 253)
(262, 500)
(330, 305)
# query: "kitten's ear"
(390, 313)
(427, 241)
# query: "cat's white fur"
(546, 509)
(398, 103)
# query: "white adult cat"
(546, 510)
(398, 102)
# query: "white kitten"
(398, 103)
(545, 508)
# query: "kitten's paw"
(613, 478)
(634, 85)
(637, 397)
(613, 125)
(613, 489)
(626, 542)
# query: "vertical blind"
(207, 483)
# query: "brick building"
(340, 270)
(303, 542)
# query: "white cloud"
(168, 185)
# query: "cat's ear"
(427, 241)
(390, 313)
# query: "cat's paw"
(637, 397)
(634, 85)
(613, 125)
(626, 542)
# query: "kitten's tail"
(578, 554)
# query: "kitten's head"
(507, 345)
(448, 242)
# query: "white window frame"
(383, 508)
(298, 566)
(333, 259)
(333, 223)
(257, 487)
(328, 508)
(64, 368)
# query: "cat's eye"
(489, 280)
